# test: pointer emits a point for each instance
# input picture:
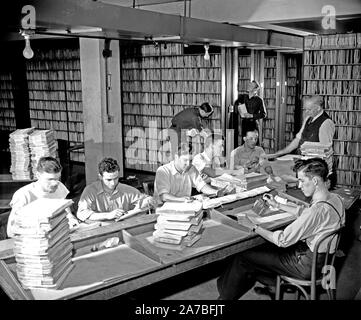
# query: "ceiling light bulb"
(206, 54)
(27, 52)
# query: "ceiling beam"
(118, 22)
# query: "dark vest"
(311, 130)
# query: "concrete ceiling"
(300, 17)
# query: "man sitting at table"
(297, 240)
(174, 180)
(47, 185)
(208, 163)
(248, 156)
(107, 199)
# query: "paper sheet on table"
(273, 217)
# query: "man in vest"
(317, 127)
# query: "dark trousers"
(265, 261)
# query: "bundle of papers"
(179, 225)
(241, 182)
(20, 154)
(216, 202)
(42, 143)
(317, 150)
(42, 245)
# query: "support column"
(101, 105)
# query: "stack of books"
(317, 150)
(42, 245)
(20, 154)
(42, 143)
(179, 225)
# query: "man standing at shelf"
(250, 107)
(248, 156)
(209, 162)
(290, 251)
(190, 118)
(47, 186)
(174, 180)
(107, 199)
(317, 127)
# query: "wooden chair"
(303, 285)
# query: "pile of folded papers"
(240, 182)
(317, 150)
(42, 245)
(42, 143)
(20, 154)
(179, 225)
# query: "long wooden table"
(136, 262)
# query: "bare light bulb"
(206, 54)
(27, 52)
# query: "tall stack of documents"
(42, 246)
(20, 154)
(42, 143)
(317, 150)
(179, 225)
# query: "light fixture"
(206, 54)
(28, 53)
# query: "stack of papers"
(216, 202)
(20, 154)
(42, 246)
(42, 143)
(179, 225)
(317, 150)
(241, 182)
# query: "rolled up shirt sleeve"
(85, 206)
(326, 132)
(162, 182)
(198, 163)
(300, 229)
(196, 178)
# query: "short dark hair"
(48, 165)
(212, 138)
(312, 167)
(206, 107)
(108, 165)
(250, 129)
(184, 149)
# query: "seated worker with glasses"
(290, 251)
(174, 180)
(107, 199)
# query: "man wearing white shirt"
(208, 163)
(290, 251)
(47, 186)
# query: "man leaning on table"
(174, 180)
(289, 251)
(317, 127)
(107, 199)
(47, 185)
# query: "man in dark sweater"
(317, 127)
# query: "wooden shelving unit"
(55, 94)
(332, 68)
(157, 83)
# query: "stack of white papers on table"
(42, 246)
(20, 154)
(42, 143)
(216, 202)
